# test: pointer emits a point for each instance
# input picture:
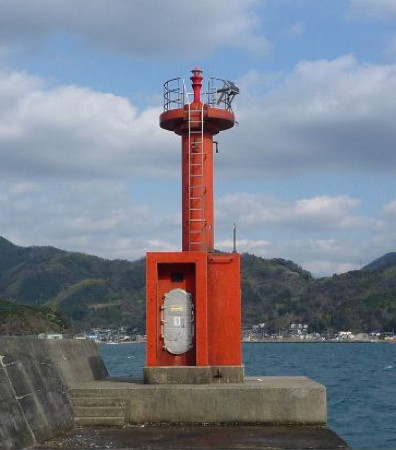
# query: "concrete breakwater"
(49, 387)
(35, 377)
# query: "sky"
(308, 174)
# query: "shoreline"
(283, 341)
(303, 341)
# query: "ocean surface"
(360, 379)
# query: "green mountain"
(16, 318)
(386, 261)
(92, 291)
(283, 293)
(89, 290)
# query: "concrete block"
(14, 431)
(227, 374)
(97, 401)
(100, 421)
(177, 375)
(34, 379)
(6, 391)
(26, 378)
(54, 380)
(47, 413)
(193, 375)
(100, 411)
(263, 400)
(77, 360)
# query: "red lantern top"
(196, 79)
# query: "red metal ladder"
(196, 178)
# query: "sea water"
(360, 379)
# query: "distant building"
(344, 336)
(298, 329)
(50, 335)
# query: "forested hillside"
(16, 318)
(89, 290)
(92, 291)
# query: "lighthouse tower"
(193, 313)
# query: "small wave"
(388, 367)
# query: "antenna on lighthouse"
(234, 238)
(227, 92)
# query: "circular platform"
(215, 119)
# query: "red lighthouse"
(193, 308)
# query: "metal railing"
(220, 94)
(174, 93)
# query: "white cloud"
(328, 208)
(326, 115)
(390, 208)
(382, 10)
(24, 187)
(322, 256)
(390, 51)
(295, 30)
(324, 268)
(102, 218)
(137, 28)
(323, 234)
(318, 213)
(95, 217)
(74, 132)
(243, 245)
(377, 8)
(71, 149)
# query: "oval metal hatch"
(178, 322)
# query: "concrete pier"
(264, 400)
(54, 392)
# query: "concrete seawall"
(49, 387)
(35, 377)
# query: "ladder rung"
(198, 175)
(196, 209)
(197, 220)
(196, 198)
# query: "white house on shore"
(50, 335)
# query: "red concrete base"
(213, 280)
